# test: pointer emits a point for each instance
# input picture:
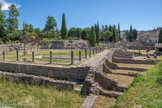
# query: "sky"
(142, 14)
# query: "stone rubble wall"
(79, 73)
(38, 80)
(132, 61)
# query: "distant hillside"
(149, 36)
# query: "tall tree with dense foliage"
(2, 16)
(119, 30)
(107, 35)
(114, 34)
(31, 28)
(3, 34)
(63, 28)
(92, 37)
(135, 34)
(97, 30)
(12, 22)
(84, 35)
(51, 23)
(160, 36)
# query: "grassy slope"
(145, 91)
(12, 94)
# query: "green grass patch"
(145, 91)
(20, 95)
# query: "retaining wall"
(48, 71)
(38, 80)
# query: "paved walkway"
(94, 59)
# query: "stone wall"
(79, 73)
(132, 61)
(38, 80)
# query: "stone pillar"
(89, 51)
(96, 50)
(93, 51)
(51, 57)
(33, 56)
(80, 55)
(72, 57)
(85, 53)
(4, 57)
(17, 54)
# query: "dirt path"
(94, 59)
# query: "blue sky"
(142, 14)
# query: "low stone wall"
(111, 64)
(38, 80)
(132, 61)
(48, 71)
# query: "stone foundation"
(38, 80)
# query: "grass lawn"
(147, 66)
(104, 102)
(12, 55)
(145, 91)
(122, 79)
(18, 95)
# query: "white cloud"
(5, 5)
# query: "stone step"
(111, 93)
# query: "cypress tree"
(135, 33)
(114, 34)
(160, 36)
(92, 37)
(63, 28)
(97, 30)
(119, 30)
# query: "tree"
(2, 16)
(97, 30)
(119, 30)
(3, 34)
(160, 36)
(63, 28)
(107, 35)
(12, 22)
(84, 34)
(135, 34)
(31, 28)
(50, 23)
(114, 34)
(92, 37)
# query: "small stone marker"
(80, 55)
(33, 56)
(51, 57)
(17, 54)
(90, 52)
(4, 57)
(72, 57)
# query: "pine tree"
(131, 34)
(97, 30)
(92, 37)
(84, 34)
(160, 36)
(63, 28)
